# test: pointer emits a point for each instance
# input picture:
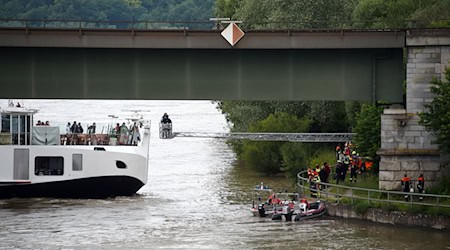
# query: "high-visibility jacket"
(346, 160)
(369, 165)
(420, 182)
(405, 179)
(405, 183)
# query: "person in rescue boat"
(305, 201)
(273, 199)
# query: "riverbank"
(389, 217)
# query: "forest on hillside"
(108, 10)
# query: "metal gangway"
(290, 137)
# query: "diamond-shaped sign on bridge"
(232, 33)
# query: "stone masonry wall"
(424, 63)
(405, 145)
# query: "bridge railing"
(340, 193)
(118, 24)
(209, 25)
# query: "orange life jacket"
(421, 181)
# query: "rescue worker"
(368, 165)
(310, 174)
(303, 205)
(339, 167)
(346, 163)
(314, 186)
(269, 199)
(323, 177)
(347, 149)
(421, 186)
(317, 170)
(354, 167)
(291, 205)
(276, 200)
(406, 183)
(327, 170)
(338, 151)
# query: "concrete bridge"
(265, 65)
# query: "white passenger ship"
(36, 161)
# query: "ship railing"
(85, 139)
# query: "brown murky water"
(195, 199)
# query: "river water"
(195, 198)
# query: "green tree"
(368, 130)
(226, 8)
(352, 108)
(401, 13)
(110, 10)
(295, 13)
(266, 156)
(295, 157)
(436, 118)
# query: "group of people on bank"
(318, 175)
(349, 161)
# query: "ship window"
(49, 165)
(121, 164)
(77, 162)
(6, 126)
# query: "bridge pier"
(405, 145)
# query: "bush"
(267, 156)
(437, 116)
(367, 129)
(295, 156)
(362, 207)
(442, 187)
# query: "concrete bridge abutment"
(406, 147)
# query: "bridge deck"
(199, 39)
